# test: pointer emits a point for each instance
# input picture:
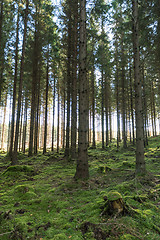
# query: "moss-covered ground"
(39, 199)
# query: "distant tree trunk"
(102, 107)
(144, 107)
(106, 107)
(9, 124)
(68, 80)
(64, 117)
(58, 110)
(110, 121)
(4, 119)
(1, 47)
(34, 86)
(46, 107)
(20, 132)
(131, 100)
(62, 120)
(24, 127)
(123, 100)
(140, 162)
(14, 156)
(93, 105)
(82, 169)
(37, 117)
(14, 86)
(74, 81)
(54, 92)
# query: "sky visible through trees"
(40, 78)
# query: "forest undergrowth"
(39, 198)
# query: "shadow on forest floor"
(39, 198)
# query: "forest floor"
(39, 199)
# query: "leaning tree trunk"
(82, 169)
(140, 162)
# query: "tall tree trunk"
(74, 81)
(64, 117)
(106, 96)
(93, 105)
(4, 119)
(102, 108)
(54, 93)
(82, 169)
(1, 47)
(14, 156)
(140, 162)
(123, 101)
(131, 100)
(46, 107)
(14, 86)
(37, 118)
(68, 80)
(34, 87)
(20, 132)
(24, 127)
(58, 110)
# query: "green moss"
(128, 237)
(60, 236)
(113, 196)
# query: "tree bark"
(46, 106)
(14, 86)
(82, 169)
(14, 156)
(140, 162)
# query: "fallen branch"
(1, 234)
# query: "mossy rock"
(113, 196)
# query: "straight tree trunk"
(82, 169)
(3, 125)
(58, 111)
(93, 105)
(140, 162)
(131, 100)
(74, 82)
(34, 87)
(20, 132)
(46, 108)
(68, 80)
(24, 127)
(123, 101)
(14, 156)
(14, 86)
(102, 108)
(1, 47)
(106, 96)
(54, 92)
